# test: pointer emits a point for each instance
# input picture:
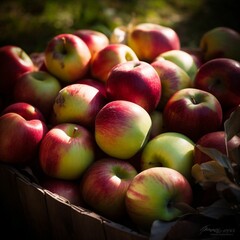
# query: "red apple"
(26, 110)
(104, 186)
(65, 188)
(134, 81)
(214, 140)
(172, 77)
(95, 40)
(148, 40)
(192, 112)
(66, 151)
(20, 138)
(14, 62)
(220, 42)
(220, 77)
(104, 60)
(67, 57)
(39, 89)
(154, 194)
(122, 128)
(78, 103)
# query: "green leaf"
(219, 157)
(218, 209)
(232, 124)
(160, 229)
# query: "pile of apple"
(112, 122)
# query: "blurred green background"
(31, 23)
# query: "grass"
(30, 24)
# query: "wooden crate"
(34, 212)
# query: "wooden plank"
(60, 217)
(35, 208)
(87, 224)
(120, 232)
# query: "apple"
(154, 194)
(94, 39)
(20, 138)
(104, 186)
(148, 40)
(220, 77)
(66, 151)
(78, 103)
(214, 140)
(26, 110)
(68, 189)
(192, 112)
(220, 42)
(172, 77)
(37, 59)
(196, 53)
(169, 149)
(14, 62)
(183, 59)
(104, 60)
(119, 35)
(157, 123)
(134, 81)
(67, 57)
(94, 83)
(39, 89)
(122, 128)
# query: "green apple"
(154, 194)
(183, 59)
(169, 149)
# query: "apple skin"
(148, 40)
(183, 59)
(104, 186)
(95, 40)
(78, 103)
(67, 57)
(220, 42)
(220, 77)
(135, 81)
(193, 112)
(214, 140)
(172, 77)
(104, 60)
(152, 195)
(66, 151)
(94, 83)
(169, 149)
(39, 89)
(26, 110)
(122, 128)
(65, 188)
(14, 62)
(20, 139)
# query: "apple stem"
(75, 129)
